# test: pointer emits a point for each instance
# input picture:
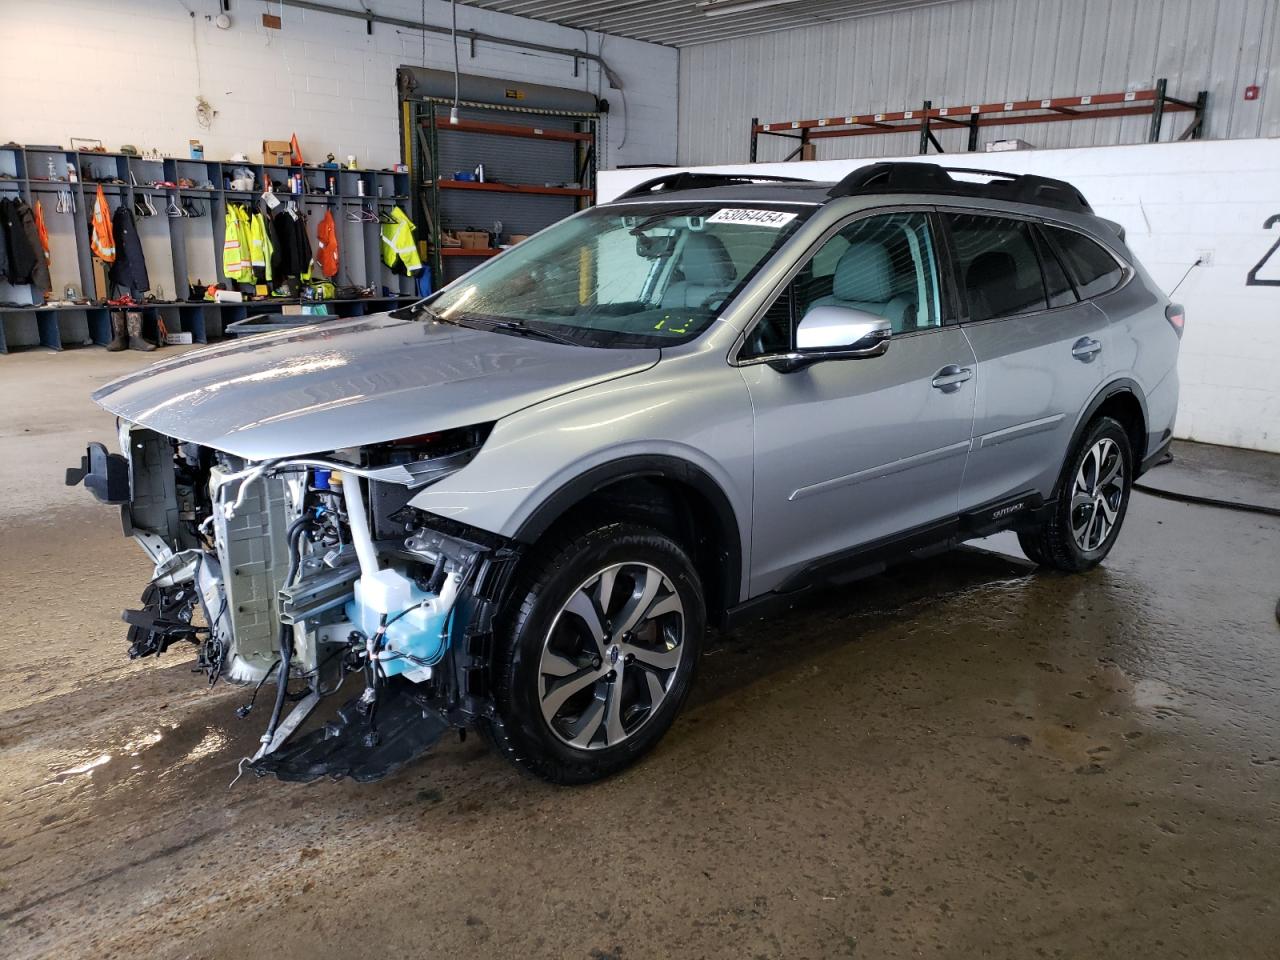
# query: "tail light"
(1176, 316)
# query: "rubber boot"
(119, 340)
(136, 340)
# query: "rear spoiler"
(1118, 228)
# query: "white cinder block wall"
(129, 71)
(1177, 202)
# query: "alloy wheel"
(1097, 495)
(611, 656)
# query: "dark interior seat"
(991, 283)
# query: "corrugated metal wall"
(982, 51)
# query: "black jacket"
(20, 253)
(277, 255)
(130, 268)
(293, 244)
(4, 246)
(40, 272)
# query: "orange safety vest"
(327, 241)
(43, 232)
(103, 243)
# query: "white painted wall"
(129, 71)
(1176, 201)
(984, 51)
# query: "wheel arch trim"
(1112, 388)
(639, 466)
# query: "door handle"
(949, 378)
(1085, 349)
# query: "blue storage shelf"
(24, 171)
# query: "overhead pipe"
(369, 18)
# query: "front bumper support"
(105, 475)
(362, 743)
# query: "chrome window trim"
(1127, 271)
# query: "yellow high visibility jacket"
(236, 246)
(259, 246)
(398, 246)
(234, 257)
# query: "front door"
(848, 452)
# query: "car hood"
(348, 383)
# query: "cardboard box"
(101, 282)
(473, 239)
(517, 237)
(276, 152)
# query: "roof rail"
(906, 177)
(686, 180)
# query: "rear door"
(1041, 354)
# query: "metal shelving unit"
(191, 247)
(1155, 102)
(524, 185)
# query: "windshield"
(639, 275)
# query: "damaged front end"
(308, 571)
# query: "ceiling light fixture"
(722, 8)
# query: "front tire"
(1093, 497)
(597, 652)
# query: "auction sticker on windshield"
(757, 218)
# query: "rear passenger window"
(1059, 288)
(1095, 270)
(997, 267)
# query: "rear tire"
(596, 652)
(1093, 497)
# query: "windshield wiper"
(410, 311)
(518, 327)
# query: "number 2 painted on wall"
(1253, 279)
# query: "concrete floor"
(963, 758)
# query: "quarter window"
(1095, 271)
(997, 267)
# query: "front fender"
(683, 415)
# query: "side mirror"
(836, 333)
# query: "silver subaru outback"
(518, 504)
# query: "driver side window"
(885, 265)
